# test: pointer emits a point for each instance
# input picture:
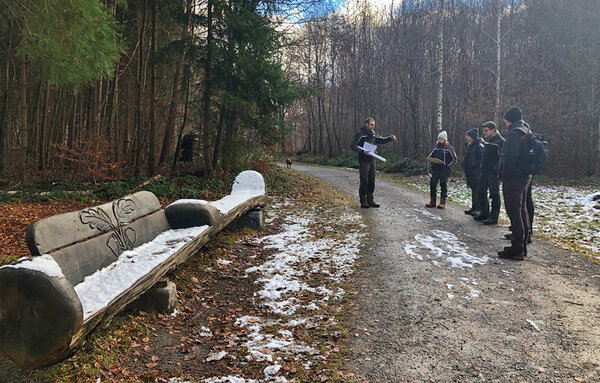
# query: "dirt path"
(436, 304)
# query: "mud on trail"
(436, 304)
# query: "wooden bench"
(88, 265)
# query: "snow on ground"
(442, 248)
(562, 212)
(302, 275)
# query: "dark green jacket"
(509, 161)
(365, 135)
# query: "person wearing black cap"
(489, 176)
(515, 181)
(471, 165)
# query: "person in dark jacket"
(367, 166)
(489, 176)
(472, 164)
(441, 157)
(515, 182)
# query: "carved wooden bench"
(88, 265)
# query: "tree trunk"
(22, 137)
(167, 146)
(440, 70)
(139, 140)
(152, 144)
(207, 91)
(498, 58)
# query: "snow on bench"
(89, 264)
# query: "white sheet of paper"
(370, 150)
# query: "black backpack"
(534, 153)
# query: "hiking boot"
(512, 253)
(475, 213)
(480, 217)
(508, 236)
(442, 204)
(431, 202)
(372, 203)
(470, 211)
(364, 203)
(490, 221)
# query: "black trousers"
(514, 190)
(366, 172)
(441, 176)
(530, 207)
(489, 182)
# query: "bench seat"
(90, 264)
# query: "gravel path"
(436, 304)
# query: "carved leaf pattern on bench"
(123, 237)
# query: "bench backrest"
(87, 240)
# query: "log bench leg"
(160, 298)
(253, 219)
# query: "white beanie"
(443, 135)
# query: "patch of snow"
(533, 324)
(99, 289)
(43, 263)
(189, 202)
(174, 313)
(216, 356)
(443, 245)
(229, 379)
(205, 332)
(271, 370)
(224, 262)
(427, 213)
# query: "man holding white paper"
(364, 143)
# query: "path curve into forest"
(436, 304)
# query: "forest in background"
(430, 65)
(94, 90)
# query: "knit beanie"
(489, 124)
(514, 114)
(473, 133)
(443, 136)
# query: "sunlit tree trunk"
(440, 70)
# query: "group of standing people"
(487, 161)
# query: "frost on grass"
(562, 212)
(308, 261)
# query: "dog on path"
(288, 162)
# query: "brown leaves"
(14, 219)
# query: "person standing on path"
(471, 166)
(489, 176)
(367, 166)
(515, 182)
(441, 157)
